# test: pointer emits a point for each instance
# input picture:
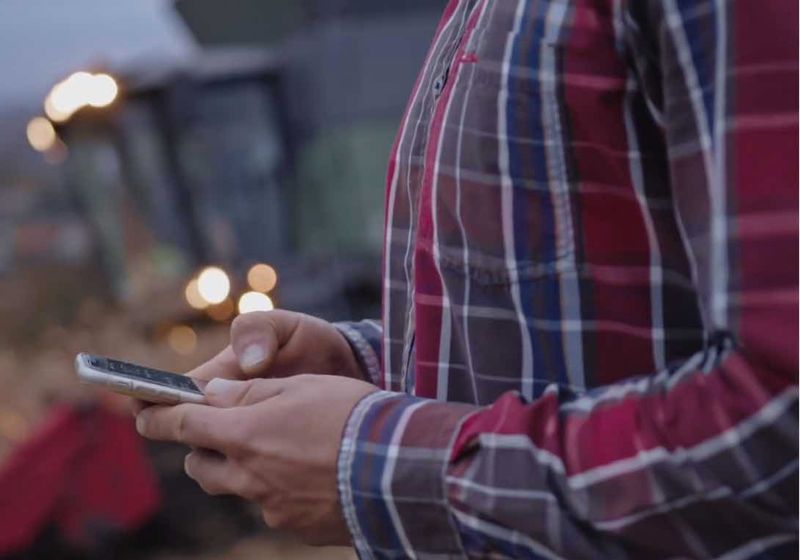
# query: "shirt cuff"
(391, 475)
(364, 338)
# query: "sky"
(41, 41)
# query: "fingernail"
(186, 465)
(141, 420)
(252, 356)
(219, 387)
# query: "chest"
(507, 86)
(512, 186)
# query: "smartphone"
(144, 383)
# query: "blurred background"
(164, 166)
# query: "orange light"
(182, 339)
(193, 297)
(77, 91)
(262, 278)
(41, 134)
(103, 91)
(52, 112)
(68, 96)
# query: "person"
(588, 344)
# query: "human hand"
(272, 441)
(279, 344)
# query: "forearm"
(392, 464)
(688, 462)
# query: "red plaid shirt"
(589, 337)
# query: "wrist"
(348, 359)
(364, 349)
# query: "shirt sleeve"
(364, 338)
(699, 460)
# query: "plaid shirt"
(589, 336)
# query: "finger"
(218, 475)
(194, 425)
(256, 337)
(226, 393)
(138, 405)
(224, 364)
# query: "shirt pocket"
(500, 238)
(505, 187)
(502, 199)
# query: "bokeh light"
(52, 113)
(213, 284)
(13, 426)
(103, 91)
(68, 96)
(262, 277)
(255, 301)
(193, 297)
(182, 339)
(41, 134)
(79, 90)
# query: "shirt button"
(438, 86)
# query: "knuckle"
(182, 424)
(234, 441)
(244, 486)
(250, 392)
(237, 445)
(243, 438)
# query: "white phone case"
(139, 388)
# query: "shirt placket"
(440, 69)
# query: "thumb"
(256, 338)
(227, 393)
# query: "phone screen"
(134, 371)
